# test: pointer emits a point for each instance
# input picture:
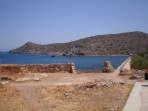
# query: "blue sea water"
(83, 63)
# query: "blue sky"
(56, 21)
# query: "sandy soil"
(42, 95)
(77, 98)
(10, 100)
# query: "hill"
(111, 44)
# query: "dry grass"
(77, 98)
(11, 100)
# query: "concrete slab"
(144, 108)
(138, 99)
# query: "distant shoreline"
(66, 56)
(110, 44)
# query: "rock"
(99, 85)
(90, 86)
(23, 79)
(103, 84)
(5, 78)
(108, 68)
(124, 71)
(35, 78)
(122, 83)
(112, 109)
(4, 82)
(65, 94)
(135, 77)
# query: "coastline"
(57, 59)
(68, 56)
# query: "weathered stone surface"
(35, 78)
(23, 79)
(37, 68)
(73, 68)
(97, 84)
(4, 82)
(125, 71)
(108, 68)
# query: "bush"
(139, 62)
(79, 53)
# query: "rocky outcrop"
(108, 68)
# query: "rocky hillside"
(111, 44)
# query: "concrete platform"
(138, 99)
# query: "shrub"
(139, 62)
(79, 53)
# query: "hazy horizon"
(51, 21)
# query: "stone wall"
(37, 68)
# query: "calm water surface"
(83, 63)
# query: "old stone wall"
(37, 68)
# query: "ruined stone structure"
(38, 68)
(108, 68)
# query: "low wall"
(124, 65)
(37, 68)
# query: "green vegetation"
(139, 62)
(79, 53)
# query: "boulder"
(108, 68)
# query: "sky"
(60, 21)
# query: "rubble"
(98, 84)
(23, 79)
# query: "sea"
(82, 63)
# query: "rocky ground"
(66, 92)
(99, 95)
(86, 97)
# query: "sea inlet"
(82, 63)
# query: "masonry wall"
(37, 68)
